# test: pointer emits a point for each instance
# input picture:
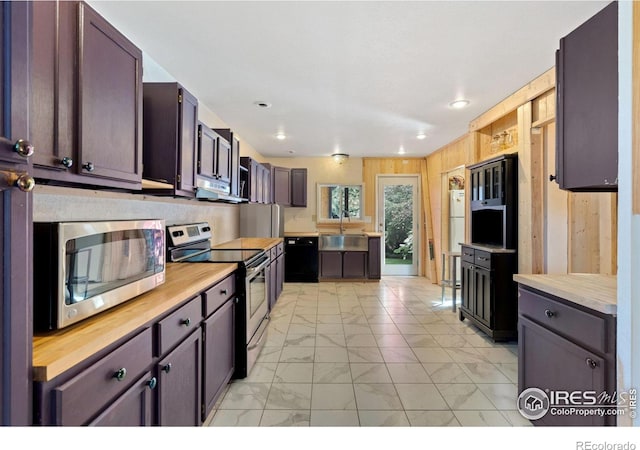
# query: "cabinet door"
(281, 185)
(547, 361)
(467, 291)
(587, 105)
(132, 408)
(235, 167)
(258, 180)
(179, 375)
(188, 126)
(266, 185)
(16, 266)
(109, 101)
(331, 264)
(374, 262)
(223, 163)
(271, 274)
(299, 187)
(483, 295)
(207, 144)
(279, 276)
(219, 353)
(354, 265)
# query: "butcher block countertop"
(58, 351)
(593, 291)
(317, 233)
(250, 243)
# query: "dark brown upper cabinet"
(281, 185)
(214, 155)
(87, 98)
(299, 187)
(234, 159)
(170, 137)
(257, 180)
(207, 145)
(587, 105)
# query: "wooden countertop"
(250, 243)
(489, 248)
(301, 234)
(593, 291)
(58, 351)
(317, 233)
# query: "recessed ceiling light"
(421, 136)
(292, 152)
(458, 104)
(261, 104)
(281, 136)
(401, 151)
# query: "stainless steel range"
(191, 243)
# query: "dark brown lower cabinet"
(330, 264)
(565, 347)
(279, 275)
(218, 354)
(354, 265)
(343, 265)
(374, 261)
(179, 394)
(133, 408)
(170, 373)
(489, 294)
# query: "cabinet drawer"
(218, 294)
(79, 399)
(468, 254)
(482, 259)
(280, 249)
(175, 327)
(584, 328)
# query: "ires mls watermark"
(535, 403)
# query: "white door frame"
(417, 222)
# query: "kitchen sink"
(343, 242)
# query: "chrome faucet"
(342, 213)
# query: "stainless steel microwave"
(84, 268)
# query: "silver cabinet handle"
(89, 167)
(549, 313)
(591, 363)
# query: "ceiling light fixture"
(281, 136)
(458, 104)
(401, 151)
(261, 104)
(340, 157)
(421, 136)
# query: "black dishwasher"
(301, 261)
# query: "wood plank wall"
(590, 229)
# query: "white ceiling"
(364, 77)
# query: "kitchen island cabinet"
(87, 82)
(567, 339)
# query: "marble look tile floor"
(373, 354)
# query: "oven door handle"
(253, 272)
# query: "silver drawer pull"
(482, 258)
(186, 322)
(591, 363)
(549, 313)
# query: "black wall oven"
(191, 243)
